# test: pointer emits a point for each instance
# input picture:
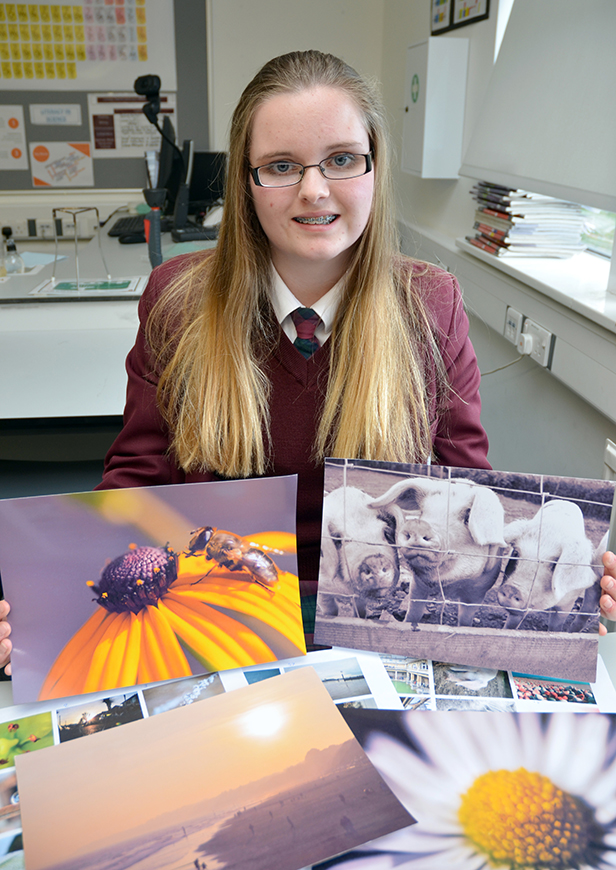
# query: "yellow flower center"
(521, 819)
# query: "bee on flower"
(157, 605)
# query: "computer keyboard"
(127, 225)
(134, 223)
(193, 233)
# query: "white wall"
(444, 205)
(244, 34)
(533, 421)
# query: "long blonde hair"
(212, 328)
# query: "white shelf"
(579, 282)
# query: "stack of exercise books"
(516, 223)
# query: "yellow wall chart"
(80, 44)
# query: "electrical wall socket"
(68, 228)
(44, 229)
(543, 342)
(20, 229)
(513, 325)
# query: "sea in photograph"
(175, 848)
(307, 823)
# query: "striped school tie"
(306, 321)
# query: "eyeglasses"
(283, 173)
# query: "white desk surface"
(66, 359)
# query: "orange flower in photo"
(223, 600)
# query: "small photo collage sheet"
(353, 679)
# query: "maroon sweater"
(140, 454)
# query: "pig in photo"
(474, 566)
(551, 564)
(449, 536)
(359, 564)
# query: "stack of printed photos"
(461, 608)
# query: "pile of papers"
(516, 223)
(168, 717)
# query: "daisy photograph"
(134, 586)
(517, 791)
(485, 568)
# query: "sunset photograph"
(268, 777)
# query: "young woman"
(216, 386)
(217, 389)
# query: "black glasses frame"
(254, 171)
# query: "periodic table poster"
(86, 44)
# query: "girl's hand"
(607, 601)
(5, 643)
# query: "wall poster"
(85, 44)
(119, 128)
(61, 164)
(13, 153)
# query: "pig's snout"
(419, 541)
(511, 596)
(376, 572)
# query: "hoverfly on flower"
(154, 609)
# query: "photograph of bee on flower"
(126, 587)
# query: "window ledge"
(578, 282)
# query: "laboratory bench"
(62, 375)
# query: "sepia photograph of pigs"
(485, 568)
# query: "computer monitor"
(207, 184)
(170, 166)
(198, 175)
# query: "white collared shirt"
(284, 303)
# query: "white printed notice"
(13, 152)
(61, 164)
(119, 128)
(44, 114)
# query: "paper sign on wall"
(61, 164)
(120, 129)
(53, 113)
(13, 153)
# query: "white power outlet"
(20, 229)
(543, 342)
(44, 228)
(68, 228)
(513, 325)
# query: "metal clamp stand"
(155, 198)
(74, 212)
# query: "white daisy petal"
(370, 862)
(412, 781)
(501, 743)
(434, 862)
(601, 794)
(532, 738)
(610, 840)
(449, 749)
(440, 862)
(575, 770)
(469, 859)
(446, 752)
(603, 797)
(427, 842)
